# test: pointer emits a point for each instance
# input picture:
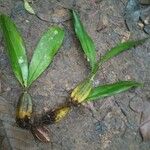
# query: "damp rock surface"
(114, 122)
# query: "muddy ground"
(113, 123)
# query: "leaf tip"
(137, 84)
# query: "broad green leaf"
(111, 89)
(120, 48)
(85, 40)
(28, 7)
(15, 49)
(45, 51)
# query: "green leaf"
(111, 89)
(15, 49)
(45, 51)
(85, 40)
(121, 48)
(28, 7)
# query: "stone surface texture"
(113, 123)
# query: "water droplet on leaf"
(20, 60)
(55, 32)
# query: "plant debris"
(28, 7)
(41, 133)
